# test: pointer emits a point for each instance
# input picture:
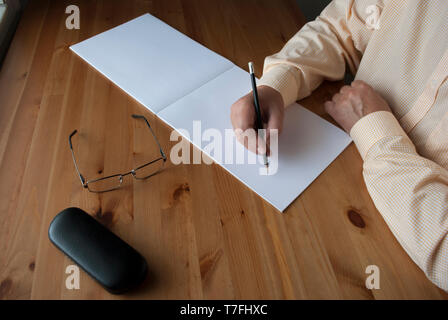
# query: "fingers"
(254, 142)
(345, 89)
(243, 119)
(337, 98)
(346, 92)
(359, 84)
(275, 121)
(242, 113)
(329, 106)
(250, 140)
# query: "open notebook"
(181, 81)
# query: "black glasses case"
(104, 256)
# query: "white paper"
(182, 81)
(307, 145)
(152, 62)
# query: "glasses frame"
(85, 182)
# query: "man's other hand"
(272, 113)
(354, 102)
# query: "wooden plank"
(203, 233)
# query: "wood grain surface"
(203, 233)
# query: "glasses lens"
(105, 184)
(150, 169)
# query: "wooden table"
(203, 233)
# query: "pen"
(257, 109)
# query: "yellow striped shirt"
(400, 48)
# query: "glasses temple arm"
(136, 116)
(83, 181)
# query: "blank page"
(307, 145)
(151, 61)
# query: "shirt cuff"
(372, 128)
(282, 79)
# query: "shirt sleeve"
(410, 192)
(321, 50)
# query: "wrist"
(281, 78)
(373, 127)
(272, 95)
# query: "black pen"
(257, 110)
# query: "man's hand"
(272, 112)
(354, 102)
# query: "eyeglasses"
(115, 181)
